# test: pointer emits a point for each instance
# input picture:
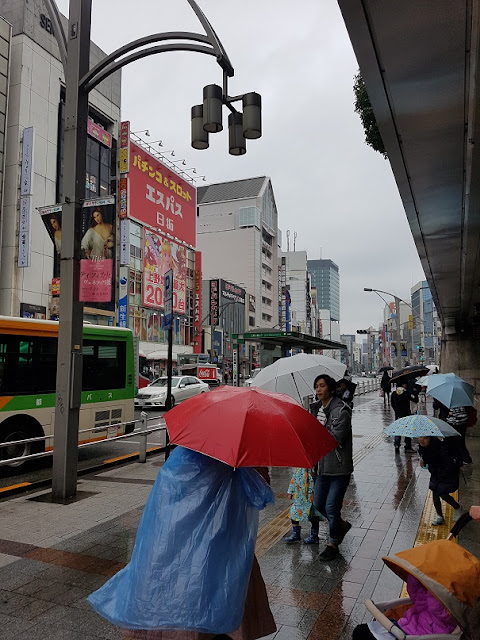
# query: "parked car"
(183, 387)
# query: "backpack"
(471, 417)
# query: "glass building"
(326, 279)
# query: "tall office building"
(425, 331)
(326, 280)
(238, 235)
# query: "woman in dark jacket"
(335, 468)
(441, 458)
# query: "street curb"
(41, 484)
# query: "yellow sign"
(410, 322)
(123, 160)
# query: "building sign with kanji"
(214, 302)
(197, 304)
(160, 198)
(159, 256)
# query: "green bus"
(28, 370)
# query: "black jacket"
(443, 459)
(386, 383)
(400, 401)
(338, 462)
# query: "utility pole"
(397, 322)
(70, 330)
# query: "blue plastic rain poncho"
(194, 549)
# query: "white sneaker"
(457, 513)
(438, 521)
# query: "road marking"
(15, 486)
(135, 454)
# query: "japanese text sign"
(99, 133)
(214, 302)
(159, 256)
(96, 280)
(159, 198)
(197, 304)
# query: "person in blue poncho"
(193, 574)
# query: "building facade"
(425, 329)
(326, 280)
(238, 235)
(33, 164)
(297, 281)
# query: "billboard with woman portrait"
(98, 251)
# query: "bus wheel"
(19, 430)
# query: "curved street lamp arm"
(138, 55)
(58, 29)
(222, 57)
(136, 44)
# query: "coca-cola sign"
(206, 373)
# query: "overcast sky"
(336, 193)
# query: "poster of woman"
(98, 251)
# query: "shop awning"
(161, 354)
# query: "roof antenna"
(288, 240)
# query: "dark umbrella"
(407, 373)
(385, 369)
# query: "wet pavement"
(53, 556)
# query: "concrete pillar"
(461, 355)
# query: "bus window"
(27, 365)
(104, 363)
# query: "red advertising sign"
(197, 305)
(159, 256)
(96, 280)
(124, 134)
(99, 133)
(159, 198)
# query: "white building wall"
(35, 83)
(235, 253)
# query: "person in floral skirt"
(300, 491)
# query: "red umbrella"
(249, 427)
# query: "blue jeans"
(328, 499)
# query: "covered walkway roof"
(287, 340)
(419, 60)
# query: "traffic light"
(363, 331)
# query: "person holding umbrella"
(336, 467)
(442, 460)
(400, 401)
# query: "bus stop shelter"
(287, 340)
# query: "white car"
(248, 381)
(155, 394)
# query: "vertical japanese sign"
(124, 150)
(98, 250)
(24, 232)
(197, 304)
(124, 242)
(26, 177)
(214, 302)
(159, 256)
(159, 198)
(168, 283)
(123, 298)
(123, 198)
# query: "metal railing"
(143, 432)
(367, 385)
(363, 387)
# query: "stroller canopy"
(448, 571)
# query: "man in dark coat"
(400, 401)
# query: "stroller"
(444, 569)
